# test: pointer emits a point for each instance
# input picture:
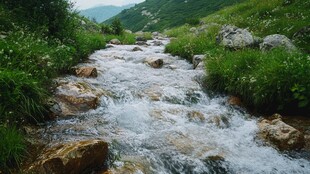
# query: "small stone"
(137, 49)
(86, 72)
(234, 101)
(154, 62)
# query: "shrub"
(12, 147)
(192, 21)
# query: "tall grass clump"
(189, 44)
(267, 81)
(12, 147)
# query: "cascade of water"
(162, 119)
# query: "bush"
(192, 21)
(11, 147)
(54, 18)
(117, 27)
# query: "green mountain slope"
(103, 13)
(154, 15)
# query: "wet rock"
(109, 46)
(157, 43)
(115, 42)
(280, 134)
(141, 43)
(54, 108)
(141, 38)
(220, 121)
(137, 49)
(200, 66)
(154, 62)
(235, 38)
(71, 158)
(197, 59)
(234, 101)
(85, 71)
(76, 97)
(173, 67)
(196, 116)
(277, 40)
(154, 92)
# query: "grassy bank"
(274, 81)
(36, 45)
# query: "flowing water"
(162, 119)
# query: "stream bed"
(162, 121)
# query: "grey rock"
(141, 38)
(157, 43)
(235, 38)
(115, 42)
(197, 59)
(277, 40)
(141, 43)
(137, 49)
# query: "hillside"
(103, 13)
(153, 15)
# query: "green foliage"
(53, 17)
(11, 147)
(162, 14)
(125, 38)
(192, 21)
(117, 27)
(106, 29)
(187, 45)
(270, 81)
(21, 97)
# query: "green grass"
(275, 81)
(12, 147)
(270, 81)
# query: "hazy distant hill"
(103, 13)
(152, 15)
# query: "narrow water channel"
(163, 120)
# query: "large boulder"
(197, 59)
(115, 42)
(85, 71)
(277, 40)
(71, 158)
(280, 134)
(154, 62)
(235, 38)
(77, 97)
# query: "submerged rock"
(196, 116)
(234, 101)
(85, 71)
(154, 62)
(71, 158)
(115, 42)
(157, 43)
(234, 37)
(277, 40)
(280, 134)
(141, 43)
